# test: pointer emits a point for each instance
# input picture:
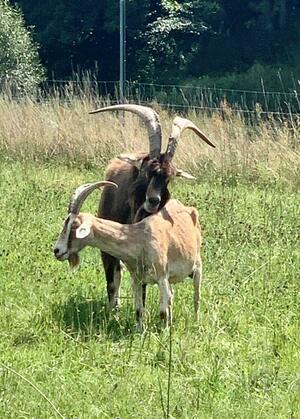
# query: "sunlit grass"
(242, 358)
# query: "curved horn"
(179, 125)
(82, 192)
(149, 117)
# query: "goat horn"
(179, 125)
(149, 117)
(82, 192)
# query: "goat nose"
(56, 251)
(154, 201)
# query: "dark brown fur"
(125, 204)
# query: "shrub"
(19, 61)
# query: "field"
(63, 356)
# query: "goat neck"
(119, 240)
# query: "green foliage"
(240, 361)
(19, 62)
(170, 41)
(258, 77)
(173, 37)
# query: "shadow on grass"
(87, 319)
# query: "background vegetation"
(19, 62)
(171, 41)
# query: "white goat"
(163, 248)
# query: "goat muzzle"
(151, 204)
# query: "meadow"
(62, 355)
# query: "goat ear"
(83, 230)
(185, 175)
(131, 159)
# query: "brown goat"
(143, 182)
(163, 248)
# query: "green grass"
(242, 360)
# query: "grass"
(60, 352)
(62, 130)
(242, 358)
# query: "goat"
(143, 183)
(163, 248)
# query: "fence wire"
(168, 96)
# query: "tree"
(167, 41)
(19, 62)
(174, 36)
(84, 35)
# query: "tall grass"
(62, 129)
(62, 355)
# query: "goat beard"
(74, 260)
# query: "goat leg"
(197, 276)
(165, 301)
(112, 268)
(138, 302)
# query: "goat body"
(165, 243)
(163, 249)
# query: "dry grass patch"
(56, 129)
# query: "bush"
(283, 78)
(19, 61)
